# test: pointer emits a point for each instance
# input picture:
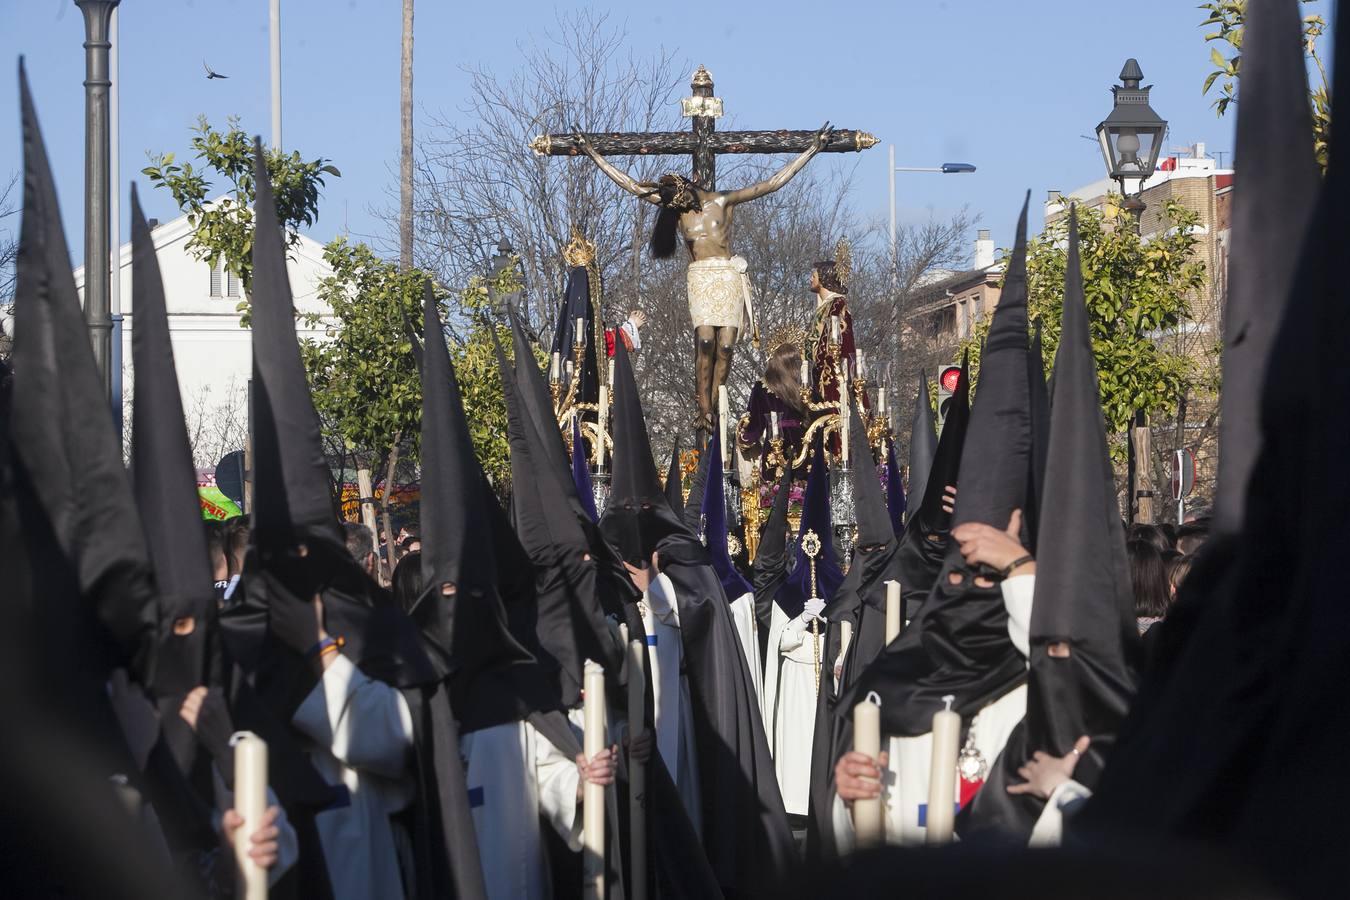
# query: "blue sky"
(1009, 86)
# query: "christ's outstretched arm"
(783, 175)
(622, 179)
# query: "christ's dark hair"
(677, 196)
(1148, 575)
(663, 235)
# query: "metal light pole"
(115, 217)
(891, 168)
(97, 14)
(274, 23)
(1131, 137)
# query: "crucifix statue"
(718, 286)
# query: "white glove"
(813, 608)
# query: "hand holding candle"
(868, 822)
(593, 806)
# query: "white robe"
(1049, 830)
(789, 705)
(514, 775)
(747, 629)
(361, 735)
(904, 792)
(670, 692)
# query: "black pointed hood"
(1083, 595)
(568, 622)
(869, 506)
(164, 477)
(1039, 396)
(674, 486)
(62, 430)
(293, 500)
(734, 584)
(923, 444)
(468, 631)
(637, 517)
(895, 491)
(537, 402)
(1279, 185)
(692, 514)
(957, 643)
(1243, 702)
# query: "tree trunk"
(384, 506)
(1141, 439)
(366, 497)
(405, 169)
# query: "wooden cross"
(702, 141)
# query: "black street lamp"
(501, 261)
(1131, 136)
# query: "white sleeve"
(632, 331)
(843, 827)
(288, 845)
(1017, 595)
(792, 636)
(364, 723)
(1049, 830)
(558, 778)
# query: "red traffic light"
(950, 378)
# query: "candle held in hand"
(942, 774)
(868, 822)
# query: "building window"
(223, 282)
(978, 302)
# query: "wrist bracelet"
(1020, 561)
(325, 645)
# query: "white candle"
(555, 367)
(250, 801)
(602, 423)
(580, 336)
(861, 368)
(806, 374)
(723, 415)
(593, 803)
(881, 403)
(610, 379)
(637, 772)
(834, 329)
(773, 418)
(868, 822)
(892, 610)
(942, 775)
(843, 427)
(570, 367)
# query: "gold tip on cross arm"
(864, 140)
(541, 144)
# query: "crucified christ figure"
(719, 288)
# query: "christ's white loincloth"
(719, 292)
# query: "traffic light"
(949, 378)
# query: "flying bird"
(211, 74)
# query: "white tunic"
(1049, 830)
(789, 704)
(670, 692)
(905, 783)
(360, 733)
(514, 775)
(747, 629)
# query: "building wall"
(212, 352)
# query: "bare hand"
(263, 842)
(642, 578)
(599, 769)
(192, 706)
(985, 545)
(582, 143)
(638, 318)
(1044, 773)
(858, 777)
(640, 747)
(949, 499)
(823, 136)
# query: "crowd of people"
(1007, 666)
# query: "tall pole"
(1140, 438)
(97, 14)
(890, 171)
(405, 168)
(274, 24)
(115, 216)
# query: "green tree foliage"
(223, 230)
(1229, 16)
(1137, 292)
(363, 374)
